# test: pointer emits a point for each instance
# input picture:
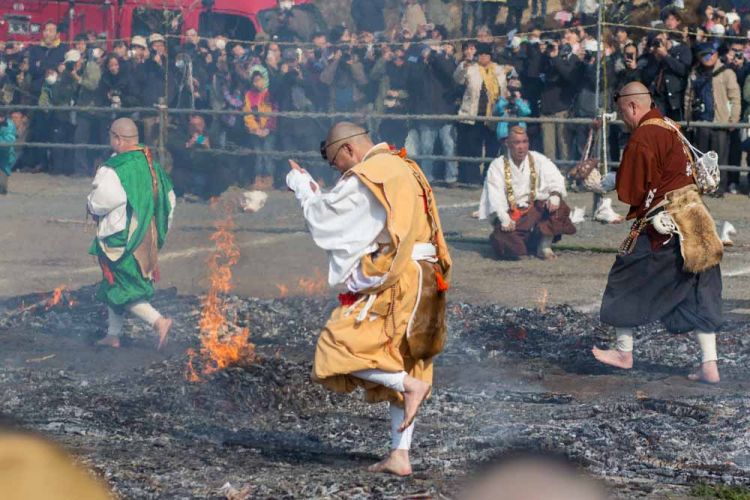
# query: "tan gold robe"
(380, 340)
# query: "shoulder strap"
(427, 194)
(691, 152)
(720, 71)
(656, 121)
(154, 181)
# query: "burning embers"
(60, 296)
(312, 286)
(223, 343)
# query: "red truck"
(23, 20)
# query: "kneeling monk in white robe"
(523, 198)
(380, 227)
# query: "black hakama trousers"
(649, 285)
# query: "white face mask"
(286, 5)
(51, 79)
(221, 44)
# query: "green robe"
(115, 252)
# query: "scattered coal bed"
(265, 430)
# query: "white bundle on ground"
(577, 215)
(727, 230)
(253, 201)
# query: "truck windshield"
(295, 25)
(229, 25)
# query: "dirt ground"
(45, 241)
(485, 372)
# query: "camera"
(656, 43)
(565, 50)
(115, 98)
(629, 56)
(698, 106)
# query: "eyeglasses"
(617, 95)
(324, 147)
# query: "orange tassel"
(442, 285)
(402, 152)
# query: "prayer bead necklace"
(510, 195)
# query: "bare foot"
(547, 254)
(708, 373)
(613, 357)
(161, 327)
(396, 463)
(109, 341)
(415, 392)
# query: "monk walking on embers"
(668, 266)
(132, 202)
(380, 227)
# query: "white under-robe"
(108, 201)
(494, 199)
(347, 222)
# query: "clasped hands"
(295, 166)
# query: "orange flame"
(223, 344)
(313, 286)
(57, 296)
(542, 301)
(316, 285)
(309, 287)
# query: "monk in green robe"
(132, 202)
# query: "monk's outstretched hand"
(295, 166)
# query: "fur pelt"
(700, 244)
(428, 331)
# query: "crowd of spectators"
(513, 59)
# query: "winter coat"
(43, 57)
(726, 93)
(675, 69)
(468, 75)
(561, 83)
(431, 88)
(522, 109)
(368, 15)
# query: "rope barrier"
(312, 155)
(667, 30)
(355, 44)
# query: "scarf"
(491, 85)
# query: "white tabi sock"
(114, 323)
(624, 339)
(707, 341)
(400, 440)
(391, 380)
(144, 311)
